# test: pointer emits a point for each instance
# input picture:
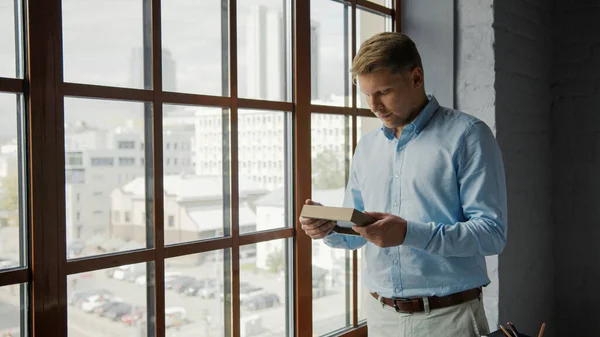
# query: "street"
(203, 317)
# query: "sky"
(99, 44)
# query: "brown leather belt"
(411, 305)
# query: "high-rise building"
(265, 52)
(169, 69)
(315, 94)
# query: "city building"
(98, 161)
(193, 209)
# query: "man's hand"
(388, 231)
(316, 228)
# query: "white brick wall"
(475, 95)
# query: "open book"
(345, 217)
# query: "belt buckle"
(395, 301)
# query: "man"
(433, 178)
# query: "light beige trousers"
(463, 320)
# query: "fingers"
(312, 202)
(318, 231)
(364, 231)
(369, 230)
(312, 222)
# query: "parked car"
(260, 301)
(132, 318)
(7, 263)
(246, 290)
(206, 288)
(178, 282)
(94, 302)
(78, 298)
(107, 305)
(175, 316)
(117, 312)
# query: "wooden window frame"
(44, 90)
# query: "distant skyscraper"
(314, 61)
(169, 70)
(265, 52)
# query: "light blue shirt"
(446, 178)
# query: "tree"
(328, 171)
(9, 198)
(275, 261)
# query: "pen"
(504, 330)
(513, 329)
(542, 330)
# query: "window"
(74, 176)
(74, 159)
(103, 161)
(111, 98)
(126, 145)
(126, 161)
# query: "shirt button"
(397, 176)
(397, 289)
(395, 261)
(396, 203)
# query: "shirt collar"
(422, 118)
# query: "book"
(345, 217)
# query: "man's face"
(393, 97)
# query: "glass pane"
(367, 25)
(105, 182)
(11, 41)
(102, 42)
(365, 125)
(330, 139)
(110, 302)
(264, 49)
(12, 188)
(263, 139)
(193, 46)
(193, 173)
(330, 53)
(362, 290)
(264, 295)
(13, 310)
(194, 295)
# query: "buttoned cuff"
(418, 234)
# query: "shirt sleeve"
(482, 191)
(352, 199)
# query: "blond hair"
(394, 52)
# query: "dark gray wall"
(576, 144)
(523, 64)
(531, 70)
(503, 76)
